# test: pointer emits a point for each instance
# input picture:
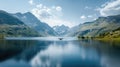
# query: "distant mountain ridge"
(61, 30)
(94, 28)
(27, 24)
(30, 20)
(11, 26)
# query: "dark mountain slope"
(30, 20)
(11, 26)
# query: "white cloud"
(58, 8)
(97, 9)
(83, 17)
(31, 2)
(39, 6)
(86, 7)
(50, 15)
(89, 16)
(110, 8)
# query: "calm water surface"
(52, 52)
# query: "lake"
(52, 52)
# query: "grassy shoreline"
(108, 39)
(111, 41)
(101, 38)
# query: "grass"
(108, 39)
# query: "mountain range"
(96, 27)
(61, 30)
(26, 24)
(11, 26)
(30, 20)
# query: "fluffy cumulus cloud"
(83, 17)
(58, 8)
(31, 2)
(50, 15)
(110, 8)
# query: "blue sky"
(67, 12)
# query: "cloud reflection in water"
(56, 55)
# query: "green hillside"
(113, 35)
(96, 27)
(13, 27)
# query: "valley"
(59, 33)
(27, 25)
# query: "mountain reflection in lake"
(65, 53)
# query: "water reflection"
(37, 53)
(70, 54)
(9, 48)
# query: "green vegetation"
(107, 36)
(85, 37)
(104, 28)
(113, 35)
(2, 36)
(16, 31)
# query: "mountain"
(61, 30)
(112, 34)
(30, 20)
(11, 26)
(96, 27)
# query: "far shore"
(101, 38)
